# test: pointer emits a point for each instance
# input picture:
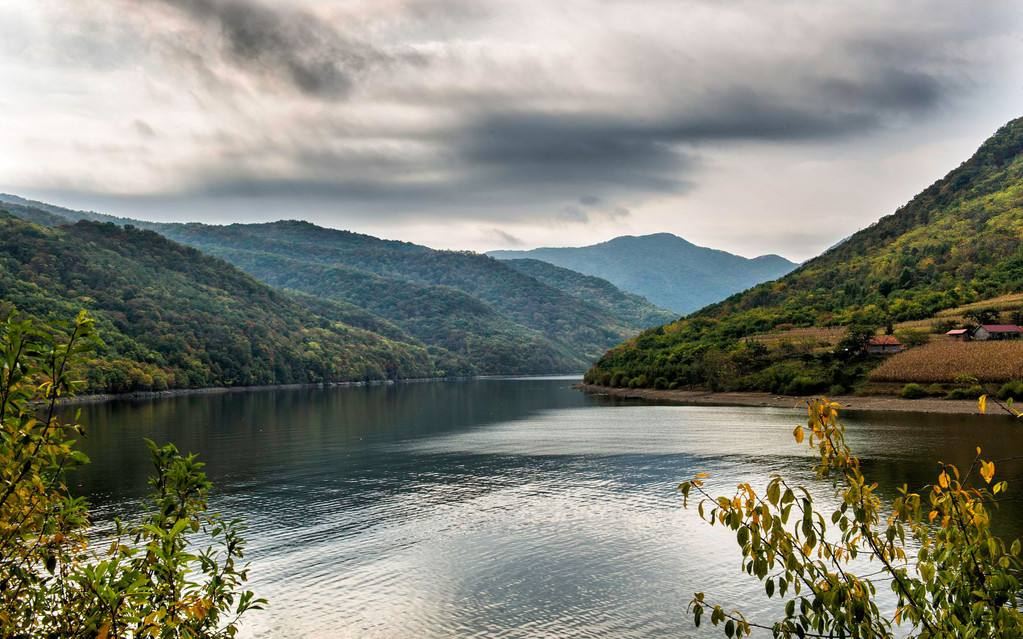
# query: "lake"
(494, 507)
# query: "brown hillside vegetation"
(944, 361)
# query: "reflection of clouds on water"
(499, 508)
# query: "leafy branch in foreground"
(151, 582)
(950, 575)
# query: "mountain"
(476, 314)
(959, 241)
(497, 318)
(633, 308)
(663, 268)
(171, 317)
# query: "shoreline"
(98, 398)
(851, 403)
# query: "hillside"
(957, 242)
(171, 317)
(499, 319)
(633, 308)
(664, 268)
(477, 314)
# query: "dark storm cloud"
(285, 44)
(492, 110)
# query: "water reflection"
(493, 508)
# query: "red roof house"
(997, 331)
(883, 344)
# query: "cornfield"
(943, 361)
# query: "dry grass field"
(1005, 304)
(810, 338)
(943, 361)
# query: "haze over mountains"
(664, 268)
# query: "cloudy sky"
(776, 126)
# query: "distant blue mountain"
(664, 268)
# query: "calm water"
(491, 508)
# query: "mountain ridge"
(666, 269)
(959, 241)
(475, 314)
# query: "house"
(959, 334)
(997, 332)
(884, 345)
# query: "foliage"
(469, 304)
(957, 242)
(913, 391)
(634, 309)
(473, 314)
(913, 337)
(151, 582)
(982, 315)
(934, 548)
(1011, 390)
(172, 317)
(945, 360)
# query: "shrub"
(805, 385)
(837, 389)
(913, 391)
(950, 574)
(1011, 390)
(151, 582)
(969, 392)
(913, 337)
(661, 383)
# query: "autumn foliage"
(932, 548)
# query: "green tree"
(982, 315)
(957, 580)
(152, 581)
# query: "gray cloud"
(583, 112)
(286, 44)
(507, 239)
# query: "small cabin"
(884, 345)
(959, 334)
(987, 332)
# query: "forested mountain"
(637, 310)
(957, 242)
(477, 314)
(171, 317)
(497, 318)
(664, 268)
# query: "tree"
(151, 582)
(966, 581)
(982, 315)
(855, 341)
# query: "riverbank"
(95, 398)
(848, 402)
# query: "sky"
(778, 126)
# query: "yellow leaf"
(943, 479)
(798, 434)
(987, 471)
(933, 514)
(104, 631)
(982, 404)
